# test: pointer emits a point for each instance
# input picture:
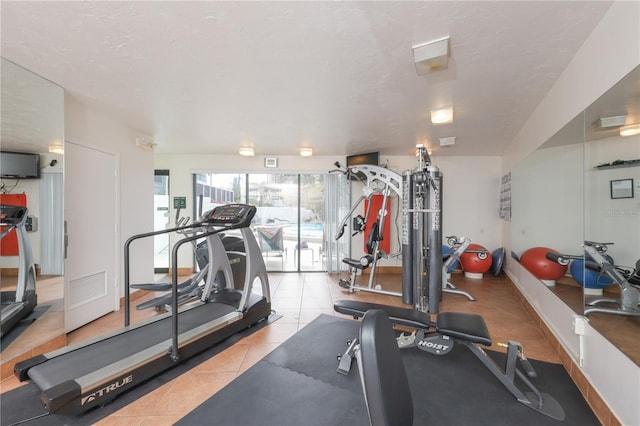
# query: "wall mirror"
(32, 111)
(562, 196)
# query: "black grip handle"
(558, 258)
(528, 368)
(592, 266)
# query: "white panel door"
(91, 217)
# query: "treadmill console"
(12, 215)
(230, 216)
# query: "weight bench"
(464, 326)
(469, 330)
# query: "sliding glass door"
(290, 222)
(310, 253)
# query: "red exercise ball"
(476, 260)
(535, 261)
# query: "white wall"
(471, 198)
(546, 200)
(607, 219)
(87, 126)
(609, 53)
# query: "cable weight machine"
(422, 233)
(419, 193)
(378, 180)
(423, 273)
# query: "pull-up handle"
(558, 258)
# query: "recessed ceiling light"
(617, 121)
(306, 152)
(630, 130)
(442, 116)
(56, 149)
(247, 151)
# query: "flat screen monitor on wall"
(371, 158)
(19, 165)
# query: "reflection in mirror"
(612, 214)
(547, 203)
(33, 122)
(583, 185)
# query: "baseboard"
(181, 272)
(13, 272)
(595, 401)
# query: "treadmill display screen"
(236, 215)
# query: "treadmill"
(77, 378)
(16, 305)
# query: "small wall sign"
(622, 188)
(179, 202)
(270, 162)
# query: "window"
(290, 222)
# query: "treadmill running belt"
(105, 352)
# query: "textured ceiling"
(207, 77)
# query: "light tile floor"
(300, 298)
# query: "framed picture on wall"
(622, 188)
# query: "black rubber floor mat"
(20, 327)
(297, 384)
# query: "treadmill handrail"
(174, 281)
(174, 274)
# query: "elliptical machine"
(200, 282)
(595, 259)
(16, 305)
(459, 246)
